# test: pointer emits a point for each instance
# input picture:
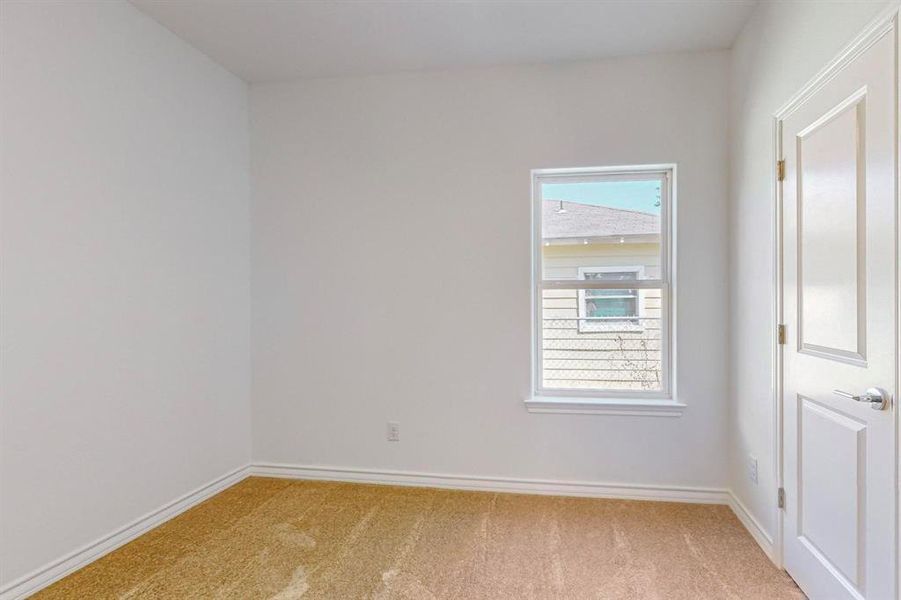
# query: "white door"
(839, 268)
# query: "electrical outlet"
(393, 431)
(752, 469)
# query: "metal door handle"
(877, 397)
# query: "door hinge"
(780, 334)
(780, 169)
(780, 498)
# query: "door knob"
(878, 398)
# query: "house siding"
(620, 355)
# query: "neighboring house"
(606, 339)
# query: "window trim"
(632, 402)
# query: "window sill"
(605, 406)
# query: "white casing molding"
(56, 570)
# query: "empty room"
(450, 299)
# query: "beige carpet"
(281, 539)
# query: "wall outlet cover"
(393, 431)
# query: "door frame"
(886, 22)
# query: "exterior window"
(611, 304)
(603, 280)
(607, 307)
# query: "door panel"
(831, 202)
(832, 481)
(839, 267)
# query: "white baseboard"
(763, 539)
(496, 484)
(56, 570)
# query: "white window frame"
(639, 307)
(625, 402)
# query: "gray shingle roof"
(588, 220)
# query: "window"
(609, 309)
(602, 284)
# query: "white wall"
(783, 45)
(125, 274)
(125, 265)
(391, 266)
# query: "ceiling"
(277, 40)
